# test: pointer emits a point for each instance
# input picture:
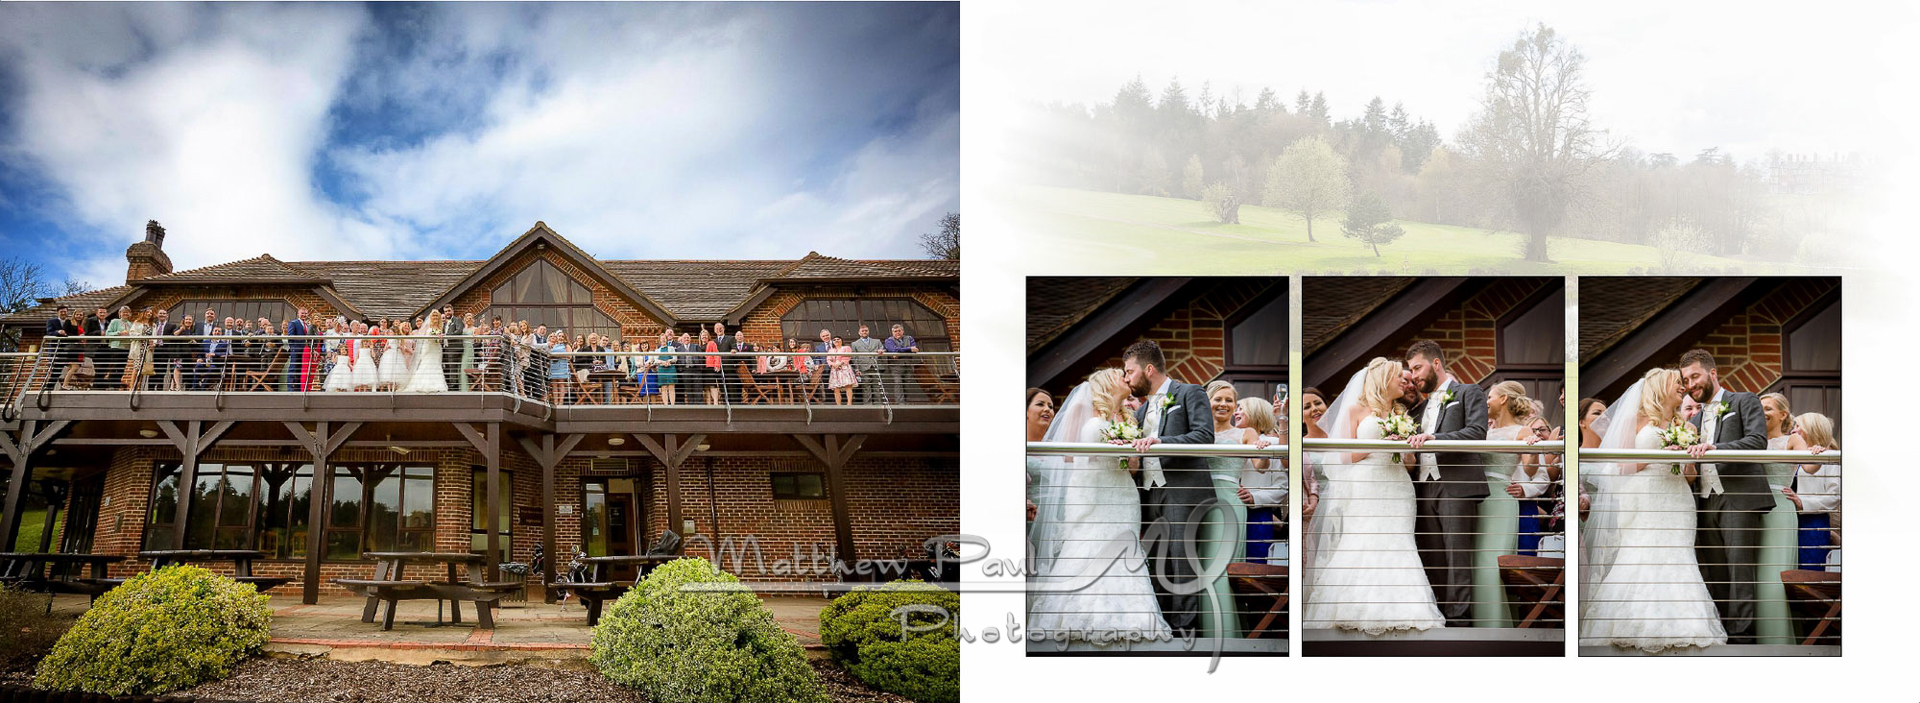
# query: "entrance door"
(85, 511)
(620, 524)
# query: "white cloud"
(668, 131)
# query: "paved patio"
(423, 633)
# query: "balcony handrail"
(1095, 448)
(1717, 456)
(1437, 446)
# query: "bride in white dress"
(1641, 583)
(1090, 574)
(1366, 573)
(427, 376)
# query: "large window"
(379, 507)
(1811, 375)
(276, 311)
(844, 317)
(503, 508)
(1256, 348)
(542, 295)
(1534, 335)
(260, 506)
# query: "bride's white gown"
(1651, 595)
(426, 376)
(1366, 573)
(1101, 519)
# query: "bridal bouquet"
(1123, 430)
(1398, 426)
(1679, 434)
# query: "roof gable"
(539, 235)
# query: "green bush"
(862, 630)
(160, 631)
(694, 646)
(28, 631)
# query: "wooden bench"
(594, 595)
(1537, 584)
(392, 592)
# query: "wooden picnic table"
(242, 564)
(1537, 585)
(599, 589)
(1815, 597)
(1263, 587)
(390, 584)
(28, 570)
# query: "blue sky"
(403, 131)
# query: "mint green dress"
(1499, 534)
(1779, 551)
(1223, 536)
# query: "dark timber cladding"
(889, 473)
(1404, 313)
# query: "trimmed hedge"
(693, 646)
(161, 631)
(862, 630)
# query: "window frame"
(510, 310)
(810, 333)
(1527, 305)
(224, 306)
(477, 520)
(1271, 376)
(774, 486)
(1790, 378)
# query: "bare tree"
(1532, 135)
(22, 285)
(944, 244)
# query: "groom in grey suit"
(1448, 486)
(1175, 491)
(1732, 496)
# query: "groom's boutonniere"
(1722, 409)
(1166, 401)
(1446, 397)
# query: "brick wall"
(1747, 346)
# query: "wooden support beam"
(191, 442)
(672, 451)
(320, 443)
(835, 453)
(19, 449)
(549, 457)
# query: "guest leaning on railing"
(1816, 495)
(1263, 482)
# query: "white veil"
(1326, 527)
(1607, 486)
(1053, 474)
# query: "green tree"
(1309, 179)
(1532, 134)
(1194, 179)
(1370, 221)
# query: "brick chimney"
(145, 259)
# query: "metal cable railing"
(414, 364)
(1460, 534)
(1735, 547)
(1203, 554)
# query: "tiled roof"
(1056, 304)
(1612, 307)
(89, 300)
(689, 289)
(261, 268)
(1329, 305)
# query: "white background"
(1014, 50)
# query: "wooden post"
(320, 443)
(835, 453)
(19, 449)
(487, 441)
(549, 458)
(672, 451)
(191, 443)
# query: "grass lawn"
(1085, 232)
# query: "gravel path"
(304, 680)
